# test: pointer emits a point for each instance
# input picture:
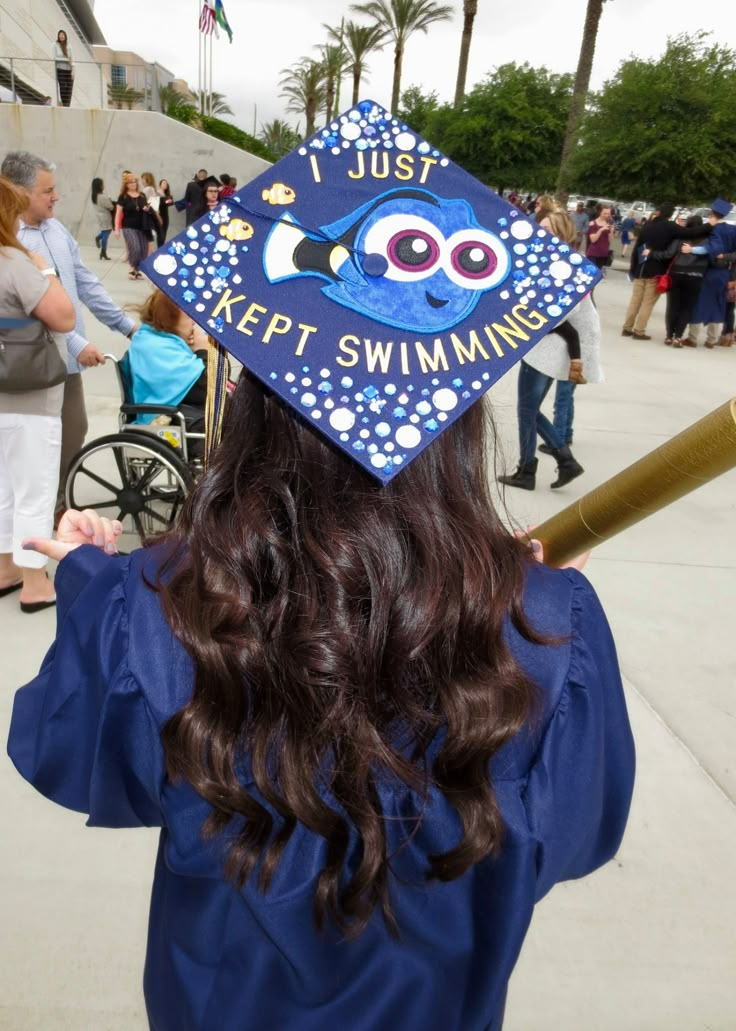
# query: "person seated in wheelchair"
(168, 362)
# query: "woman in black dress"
(130, 212)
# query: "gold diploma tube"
(694, 457)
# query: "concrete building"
(113, 121)
(104, 77)
(131, 82)
(28, 32)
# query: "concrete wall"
(85, 144)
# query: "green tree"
(580, 89)
(304, 89)
(358, 41)
(662, 128)
(279, 137)
(229, 133)
(416, 108)
(212, 104)
(178, 105)
(509, 128)
(399, 19)
(170, 97)
(470, 9)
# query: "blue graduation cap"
(721, 207)
(372, 284)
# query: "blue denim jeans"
(533, 387)
(564, 410)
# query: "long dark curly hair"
(337, 627)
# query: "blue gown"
(711, 303)
(85, 733)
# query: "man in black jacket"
(657, 235)
(193, 196)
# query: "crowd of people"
(141, 213)
(693, 265)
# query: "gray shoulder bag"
(29, 357)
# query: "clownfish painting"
(279, 194)
(237, 229)
(408, 258)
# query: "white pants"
(30, 448)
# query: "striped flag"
(207, 21)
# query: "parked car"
(642, 209)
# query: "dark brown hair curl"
(337, 627)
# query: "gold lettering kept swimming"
(485, 343)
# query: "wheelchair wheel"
(130, 476)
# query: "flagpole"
(209, 97)
(199, 60)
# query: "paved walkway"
(647, 943)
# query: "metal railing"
(30, 80)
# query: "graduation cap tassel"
(214, 412)
(695, 456)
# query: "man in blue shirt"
(42, 233)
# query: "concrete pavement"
(647, 943)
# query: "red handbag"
(664, 282)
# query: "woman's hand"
(75, 529)
(537, 549)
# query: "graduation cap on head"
(373, 285)
(721, 207)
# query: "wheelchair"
(142, 474)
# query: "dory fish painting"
(408, 258)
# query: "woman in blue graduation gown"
(373, 731)
(710, 308)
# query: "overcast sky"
(270, 35)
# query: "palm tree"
(579, 90)
(335, 64)
(358, 41)
(212, 103)
(172, 99)
(470, 9)
(279, 137)
(124, 95)
(304, 87)
(399, 19)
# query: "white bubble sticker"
(342, 420)
(164, 264)
(522, 230)
(445, 399)
(408, 436)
